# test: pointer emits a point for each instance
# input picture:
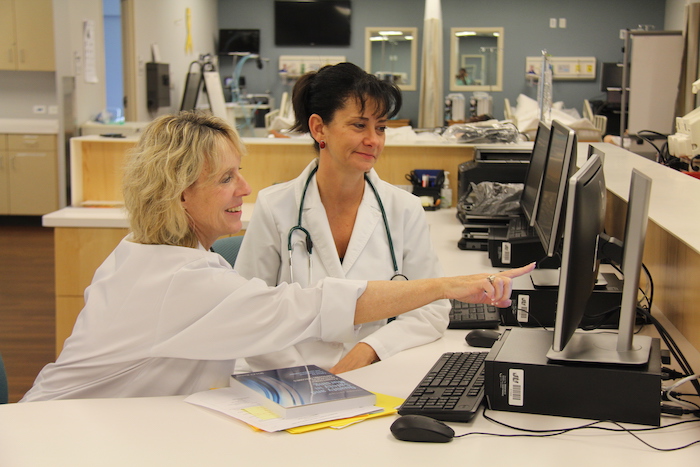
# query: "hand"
(360, 355)
(486, 288)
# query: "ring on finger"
(491, 278)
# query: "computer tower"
(512, 253)
(519, 378)
(537, 306)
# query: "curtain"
(430, 113)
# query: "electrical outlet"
(39, 109)
(562, 23)
(552, 22)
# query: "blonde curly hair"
(171, 154)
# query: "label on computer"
(505, 252)
(523, 311)
(516, 379)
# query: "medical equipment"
(686, 141)
(309, 243)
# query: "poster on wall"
(89, 68)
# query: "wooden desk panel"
(97, 165)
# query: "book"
(302, 391)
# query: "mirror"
(476, 59)
(391, 53)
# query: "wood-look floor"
(27, 302)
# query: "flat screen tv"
(312, 23)
(239, 40)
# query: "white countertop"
(29, 125)
(672, 193)
(105, 217)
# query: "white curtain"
(431, 108)
(689, 71)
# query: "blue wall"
(593, 29)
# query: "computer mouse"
(482, 337)
(422, 429)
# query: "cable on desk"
(595, 425)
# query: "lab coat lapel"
(368, 216)
(315, 219)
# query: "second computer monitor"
(535, 171)
(561, 164)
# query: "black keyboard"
(519, 227)
(473, 316)
(452, 390)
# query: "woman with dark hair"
(339, 219)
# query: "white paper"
(89, 68)
(234, 402)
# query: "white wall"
(88, 98)
(167, 27)
(69, 18)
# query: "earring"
(322, 144)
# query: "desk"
(167, 431)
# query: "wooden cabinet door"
(34, 31)
(8, 51)
(33, 183)
(4, 182)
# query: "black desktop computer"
(536, 306)
(512, 252)
(520, 378)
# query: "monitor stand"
(588, 347)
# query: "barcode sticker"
(516, 379)
(523, 311)
(505, 252)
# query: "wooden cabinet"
(78, 253)
(4, 176)
(28, 174)
(26, 35)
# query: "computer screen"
(535, 171)
(239, 40)
(611, 76)
(312, 22)
(561, 163)
(585, 219)
(584, 222)
(193, 84)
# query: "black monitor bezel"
(551, 237)
(534, 176)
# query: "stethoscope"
(309, 243)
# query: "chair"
(599, 121)
(228, 248)
(4, 392)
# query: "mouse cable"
(595, 425)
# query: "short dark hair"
(325, 91)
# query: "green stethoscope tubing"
(309, 243)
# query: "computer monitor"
(193, 84)
(533, 179)
(611, 77)
(584, 224)
(561, 163)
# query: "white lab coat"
(264, 254)
(165, 320)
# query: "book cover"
(303, 391)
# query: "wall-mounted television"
(312, 23)
(239, 40)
